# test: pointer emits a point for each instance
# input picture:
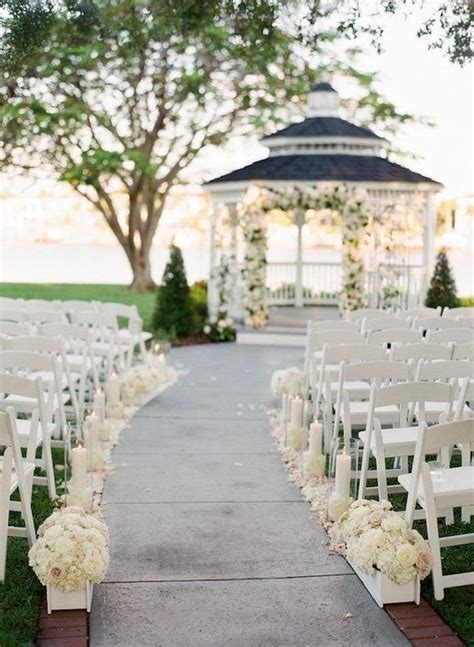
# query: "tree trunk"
(141, 268)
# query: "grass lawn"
(21, 594)
(87, 292)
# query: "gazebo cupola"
(324, 131)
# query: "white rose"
(406, 554)
(207, 329)
(393, 523)
(337, 505)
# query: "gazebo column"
(299, 221)
(212, 295)
(429, 232)
(236, 307)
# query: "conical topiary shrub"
(442, 290)
(174, 312)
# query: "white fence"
(401, 285)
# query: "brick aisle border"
(63, 628)
(422, 625)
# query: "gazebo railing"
(400, 284)
(321, 283)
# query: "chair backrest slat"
(395, 336)
(456, 335)
(421, 351)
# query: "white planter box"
(59, 600)
(384, 591)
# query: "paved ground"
(212, 546)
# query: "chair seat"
(397, 441)
(357, 388)
(48, 377)
(456, 482)
(76, 361)
(26, 404)
(28, 468)
(24, 426)
(126, 335)
(389, 415)
(433, 410)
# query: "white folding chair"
(133, 335)
(43, 305)
(325, 375)
(395, 336)
(79, 357)
(11, 303)
(71, 306)
(13, 329)
(465, 405)
(443, 371)
(454, 335)
(420, 313)
(15, 475)
(20, 364)
(464, 351)
(13, 315)
(331, 324)
(462, 311)
(424, 350)
(396, 442)
(105, 339)
(436, 323)
(435, 495)
(315, 342)
(352, 407)
(46, 316)
(384, 323)
(63, 381)
(365, 313)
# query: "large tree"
(117, 97)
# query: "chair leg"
(49, 465)
(26, 513)
(363, 472)
(433, 539)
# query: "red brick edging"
(63, 628)
(422, 625)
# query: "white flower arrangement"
(373, 536)
(139, 380)
(71, 550)
(352, 204)
(288, 380)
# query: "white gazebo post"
(236, 305)
(299, 221)
(429, 232)
(212, 296)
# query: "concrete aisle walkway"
(211, 544)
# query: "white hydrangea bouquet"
(138, 381)
(71, 551)
(375, 538)
(288, 380)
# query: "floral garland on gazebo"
(350, 203)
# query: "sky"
(419, 81)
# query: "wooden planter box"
(384, 591)
(59, 600)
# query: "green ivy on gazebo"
(352, 206)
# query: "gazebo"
(322, 149)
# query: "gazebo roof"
(324, 127)
(314, 168)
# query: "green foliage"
(174, 311)
(467, 302)
(220, 328)
(442, 290)
(199, 297)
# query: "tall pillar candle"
(316, 439)
(79, 468)
(296, 412)
(343, 474)
(99, 404)
(113, 390)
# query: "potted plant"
(70, 555)
(389, 557)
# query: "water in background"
(57, 263)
